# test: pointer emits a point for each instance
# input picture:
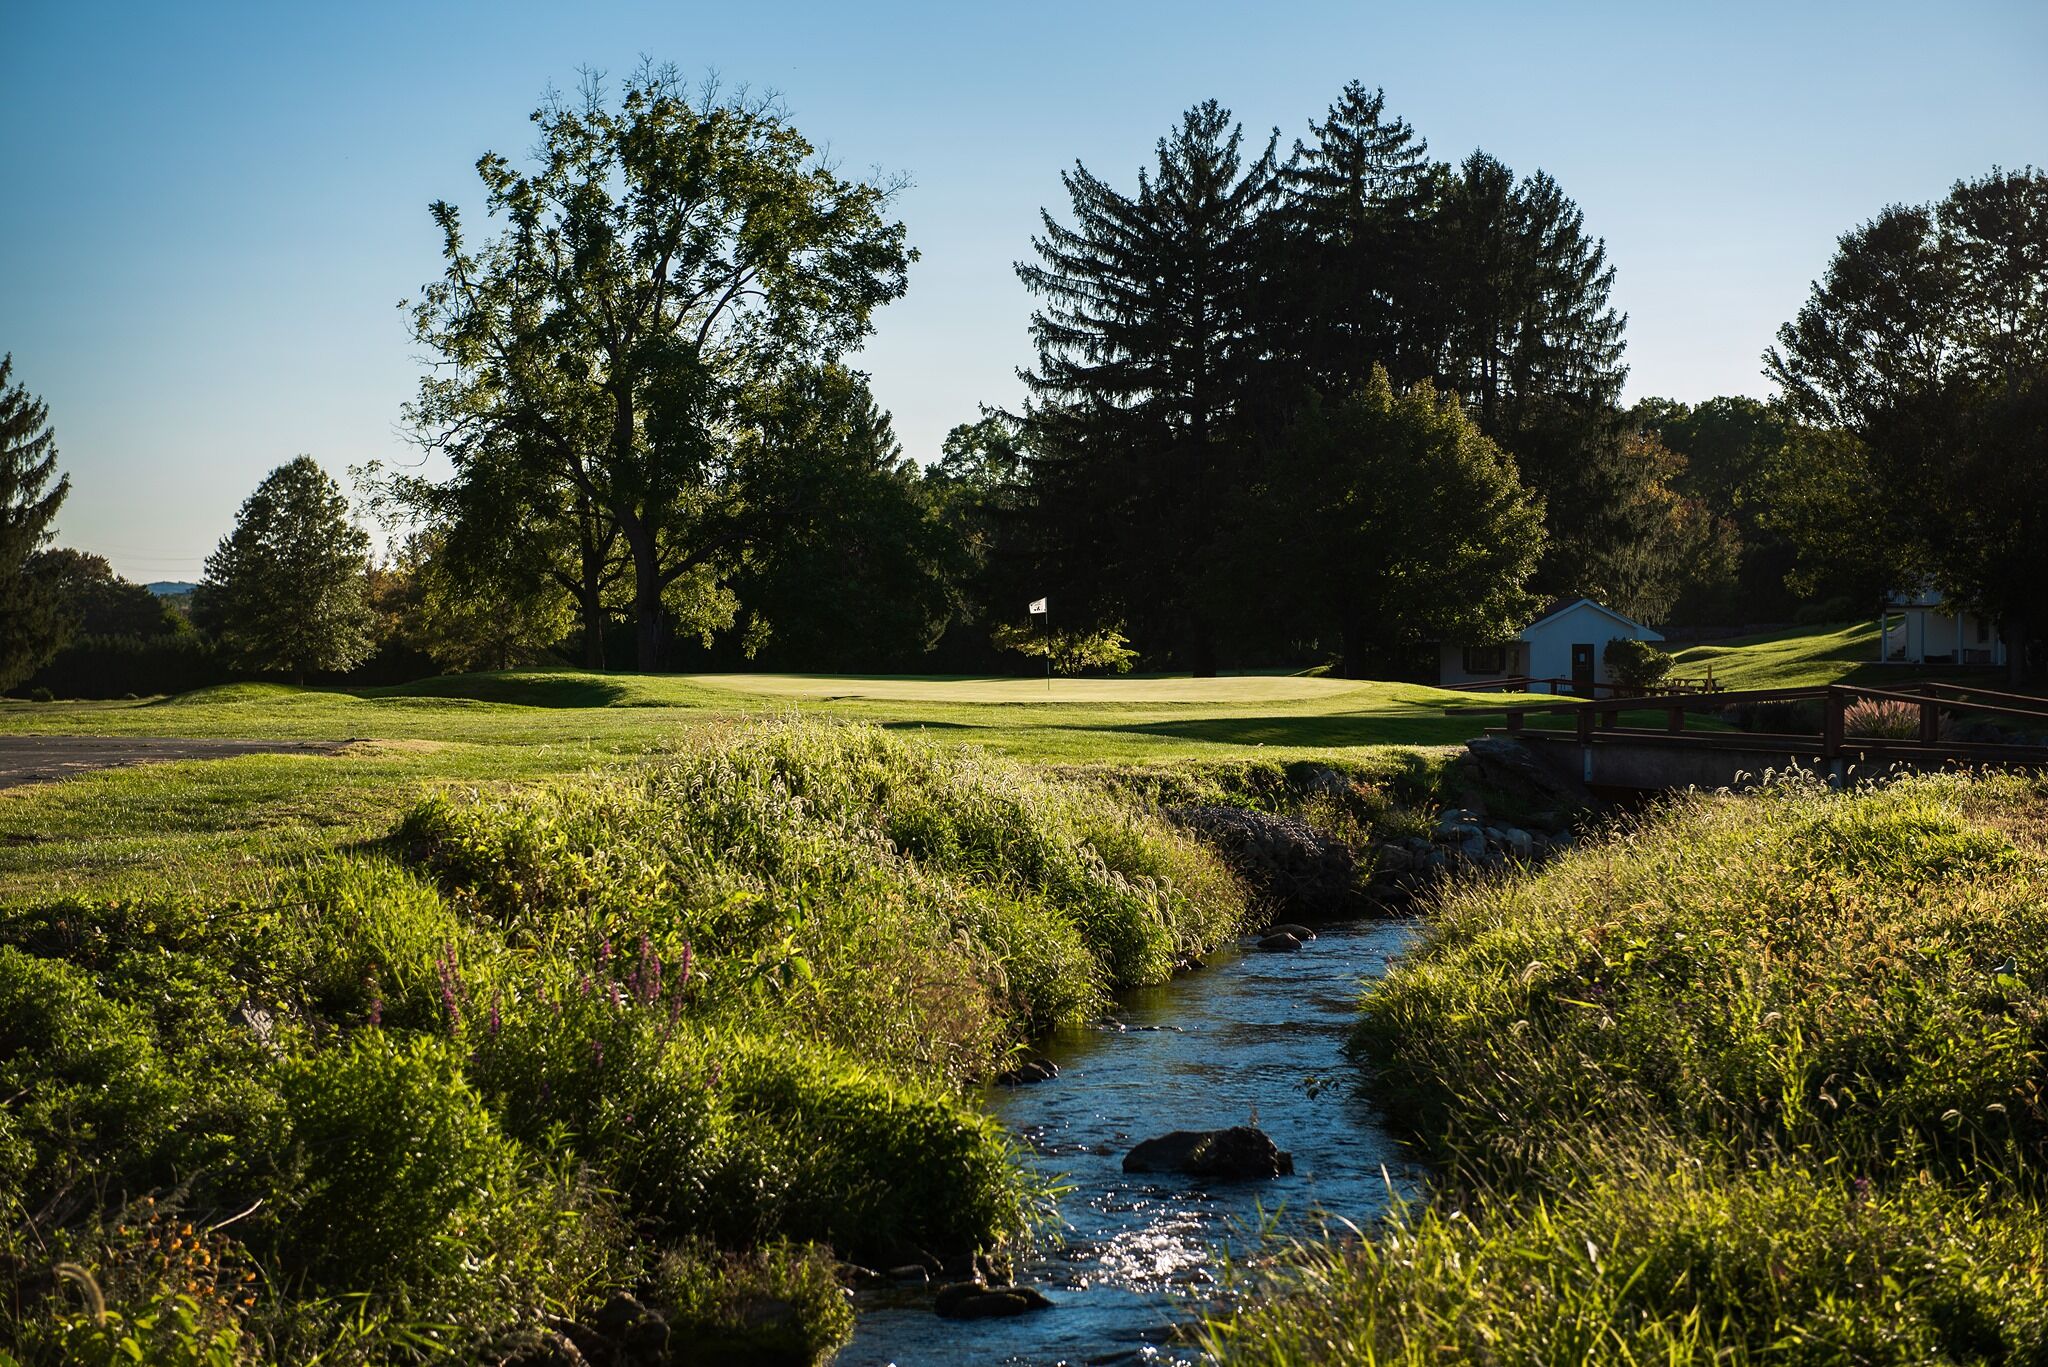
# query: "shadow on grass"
(519, 690)
(1318, 732)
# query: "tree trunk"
(646, 600)
(1353, 646)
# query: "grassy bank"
(1758, 1080)
(693, 1030)
(219, 827)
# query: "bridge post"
(1930, 722)
(1515, 719)
(1674, 719)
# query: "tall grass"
(693, 1034)
(1755, 1079)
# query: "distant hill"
(170, 588)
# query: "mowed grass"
(215, 826)
(1063, 719)
(1809, 657)
(1802, 657)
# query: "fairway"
(1254, 688)
(226, 824)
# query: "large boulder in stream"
(1240, 1153)
(1283, 857)
(980, 1301)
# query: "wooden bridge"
(1601, 751)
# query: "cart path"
(46, 759)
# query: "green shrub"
(778, 1304)
(372, 939)
(794, 846)
(1636, 665)
(741, 1138)
(405, 1180)
(89, 1092)
(1756, 1079)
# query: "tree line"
(1336, 402)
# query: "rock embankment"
(1287, 860)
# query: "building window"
(1486, 659)
(1983, 631)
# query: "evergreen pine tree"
(286, 589)
(1147, 346)
(1517, 307)
(1347, 291)
(31, 620)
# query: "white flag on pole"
(1038, 607)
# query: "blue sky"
(212, 213)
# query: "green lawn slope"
(1802, 657)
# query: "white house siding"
(1583, 623)
(1452, 672)
(1543, 649)
(1921, 633)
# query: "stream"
(1250, 1032)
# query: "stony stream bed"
(1251, 1037)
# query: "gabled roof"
(1563, 605)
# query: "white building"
(1568, 643)
(1925, 629)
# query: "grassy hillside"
(693, 1032)
(219, 826)
(1802, 657)
(1807, 657)
(1757, 1081)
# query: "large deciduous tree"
(1414, 526)
(1925, 346)
(1147, 349)
(31, 490)
(857, 571)
(661, 256)
(94, 601)
(287, 588)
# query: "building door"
(1582, 670)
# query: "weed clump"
(1755, 1078)
(682, 1041)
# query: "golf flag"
(1038, 607)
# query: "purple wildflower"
(597, 1053)
(650, 968)
(494, 1020)
(449, 983)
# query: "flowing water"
(1253, 1034)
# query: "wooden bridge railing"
(1592, 718)
(1580, 688)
